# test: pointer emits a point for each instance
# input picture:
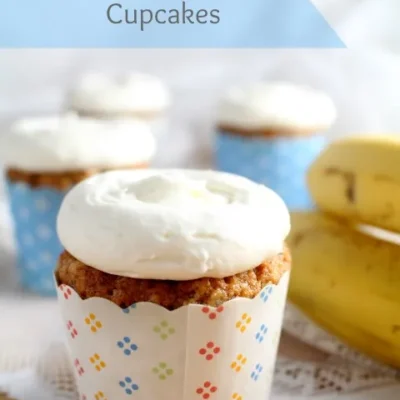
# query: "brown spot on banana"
(297, 238)
(350, 180)
(385, 178)
(396, 329)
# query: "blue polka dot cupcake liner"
(34, 212)
(281, 163)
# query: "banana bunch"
(359, 178)
(345, 280)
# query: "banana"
(359, 178)
(348, 283)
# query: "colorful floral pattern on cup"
(213, 314)
(206, 390)
(209, 351)
(184, 354)
(163, 371)
(266, 293)
(126, 345)
(258, 369)
(34, 211)
(94, 324)
(128, 385)
(239, 363)
(260, 335)
(129, 309)
(243, 323)
(164, 330)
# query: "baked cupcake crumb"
(89, 282)
(58, 180)
(261, 132)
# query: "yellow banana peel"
(348, 283)
(359, 178)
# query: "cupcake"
(43, 158)
(172, 284)
(134, 95)
(271, 133)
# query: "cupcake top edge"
(129, 93)
(172, 224)
(278, 105)
(68, 142)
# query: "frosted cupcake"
(133, 95)
(43, 158)
(172, 284)
(271, 132)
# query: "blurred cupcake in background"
(176, 282)
(46, 156)
(271, 132)
(132, 95)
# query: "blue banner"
(164, 24)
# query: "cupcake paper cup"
(280, 163)
(34, 212)
(195, 352)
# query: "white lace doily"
(343, 371)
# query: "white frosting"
(276, 105)
(132, 93)
(70, 143)
(172, 224)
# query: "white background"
(364, 80)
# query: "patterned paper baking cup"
(279, 163)
(34, 212)
(193, 353)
